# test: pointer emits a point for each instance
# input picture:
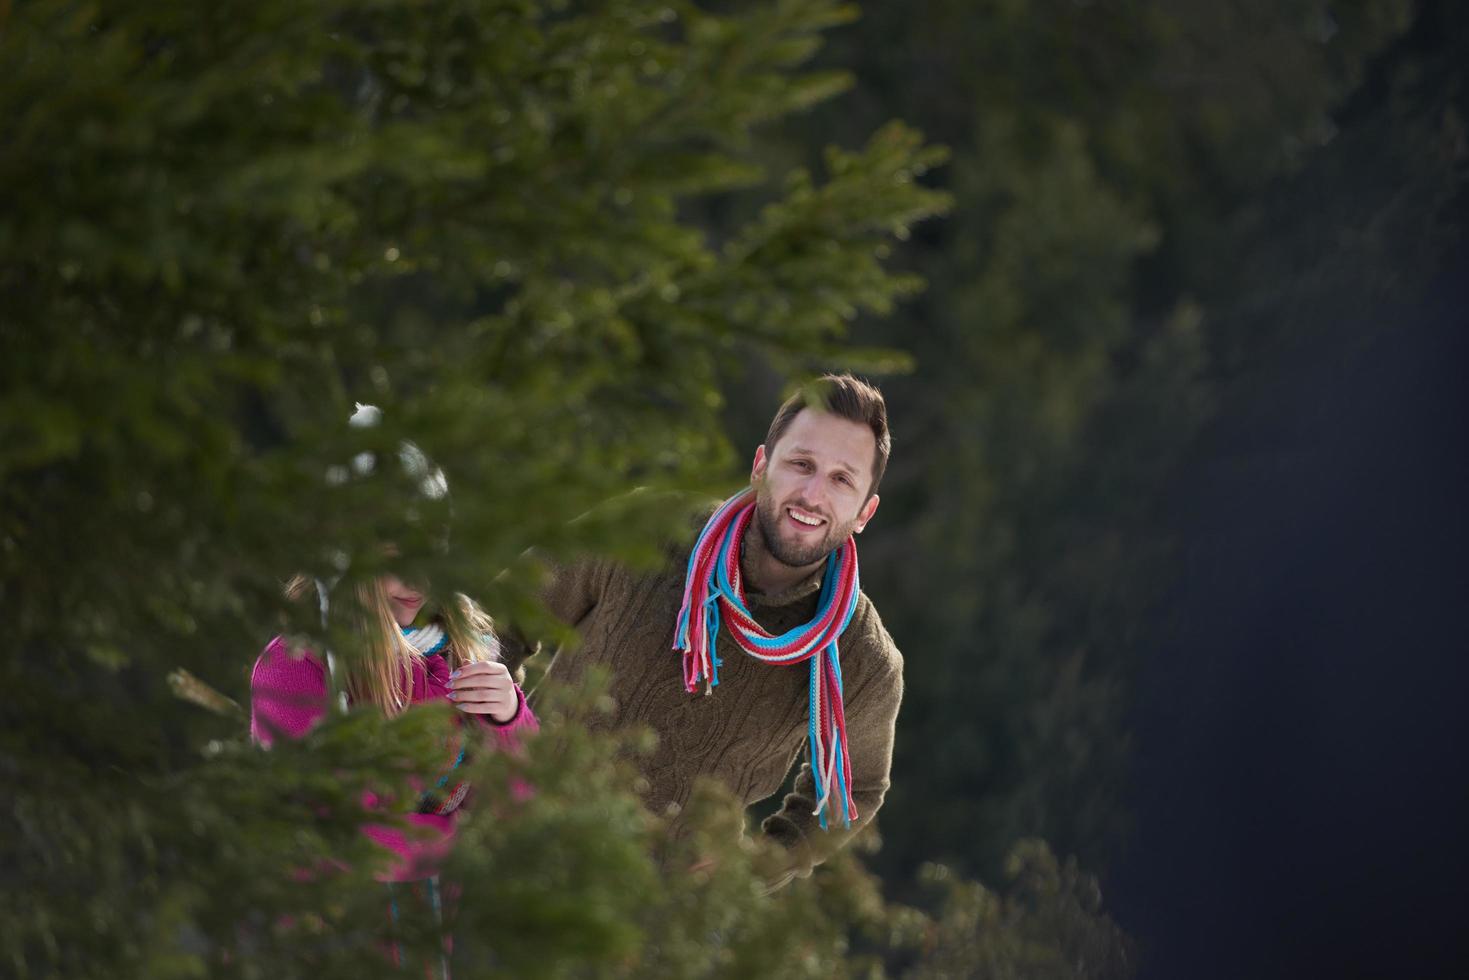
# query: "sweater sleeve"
(288, 693)
(508, 735)
(872, 712)
(571, 595)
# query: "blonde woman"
(451, 656)
(413, 656)
(413, 653)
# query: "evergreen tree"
(224, 224)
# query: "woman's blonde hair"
(383, 675)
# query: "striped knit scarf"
(713, 589)
(432, 641)
(428, 639)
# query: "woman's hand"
(485, 687)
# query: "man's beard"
(768, 519)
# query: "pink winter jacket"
(288, 695)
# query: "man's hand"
(485, 687)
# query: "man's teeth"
(805, 519)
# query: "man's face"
(811, 489)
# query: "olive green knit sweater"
(750, 730)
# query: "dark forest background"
(1166, 299)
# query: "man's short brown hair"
(845, 396)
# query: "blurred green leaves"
(225, 224)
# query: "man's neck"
(764, 573)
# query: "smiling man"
(766, 617)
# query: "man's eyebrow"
(837, 464)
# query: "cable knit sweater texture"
(752, 728)
(288, 696)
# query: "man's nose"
(813, 490)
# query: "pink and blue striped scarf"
(714, 592)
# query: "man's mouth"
(804, 519)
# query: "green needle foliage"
(223, 225)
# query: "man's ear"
(865, 514)
(757, 468)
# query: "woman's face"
(403, 599)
